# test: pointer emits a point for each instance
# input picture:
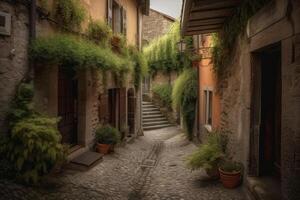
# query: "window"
(208, 97)
(116, 17)
(5, 23)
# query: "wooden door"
(67, 106)
(131, 111)
(103, 108)
(122, 110)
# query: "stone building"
(259, 93)
(81, 101)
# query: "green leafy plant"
(140, 66)
(184, 96)
(99, 32)
(22, 106)
(210, 154)
(69, 13)
(76, 53)
(107, 135)
(163, 54)
(164, 92)
(233, 27)
(231, 166)
(34, 147)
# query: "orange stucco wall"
(207, 80)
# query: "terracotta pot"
(103, 148)
(230, 179)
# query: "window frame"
(208, 106)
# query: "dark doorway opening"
(131, 111)
(270, 132)
(113, 107)
(68, 106)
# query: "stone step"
(151, 113)
(150, 109)
(152, 116)
(155, 123)
(149, 106)
(154, 119)
(147, 103)
(149, 128)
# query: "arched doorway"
(131, 111)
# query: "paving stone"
(121, 176)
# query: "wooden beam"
(203, 25)
(201, 32)
(211, 4)
(206, 27)
(206, 22)
(211, 14)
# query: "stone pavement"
(151, 168)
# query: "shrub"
(34, 147)
(184, 96)
(100, 32)
(209, 155)
(164, 92)
(107, 135)
(231, 166)
(22, 106)
(69, 13)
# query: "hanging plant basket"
(116, 41)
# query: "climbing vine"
(184, 96)
(163, 54)
(233, 27)
(69, 13)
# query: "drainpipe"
(32, 20)
(32, 36)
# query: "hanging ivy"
(184, 96)
(99, 32)
(77, 53)
(233, 27)
(69, 13)
(163, 54)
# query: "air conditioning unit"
(5, 23)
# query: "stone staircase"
(152, 117)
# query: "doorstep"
(263, 188)
(76, 151)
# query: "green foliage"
(163, 54)
(164, 92)
(140, 66)
(69, 13)
(231, 166)
(34, 147)
(22, 106)
(107, 135)
(76, 53)
(99, 32)
(210, 154)
(184, 96)
(233, 27)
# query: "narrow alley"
(152, 167)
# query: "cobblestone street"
(150, 168)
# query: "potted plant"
(231, 174)
(117, 40)
(106, 138)
(209, 155)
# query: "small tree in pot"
(106, 138)
(231, 173)
(209, 155)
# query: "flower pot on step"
(230, 179)
(103, 148)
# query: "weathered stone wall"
(13, 57)
(155, 25)
(277, 22)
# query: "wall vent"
(5, 23)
